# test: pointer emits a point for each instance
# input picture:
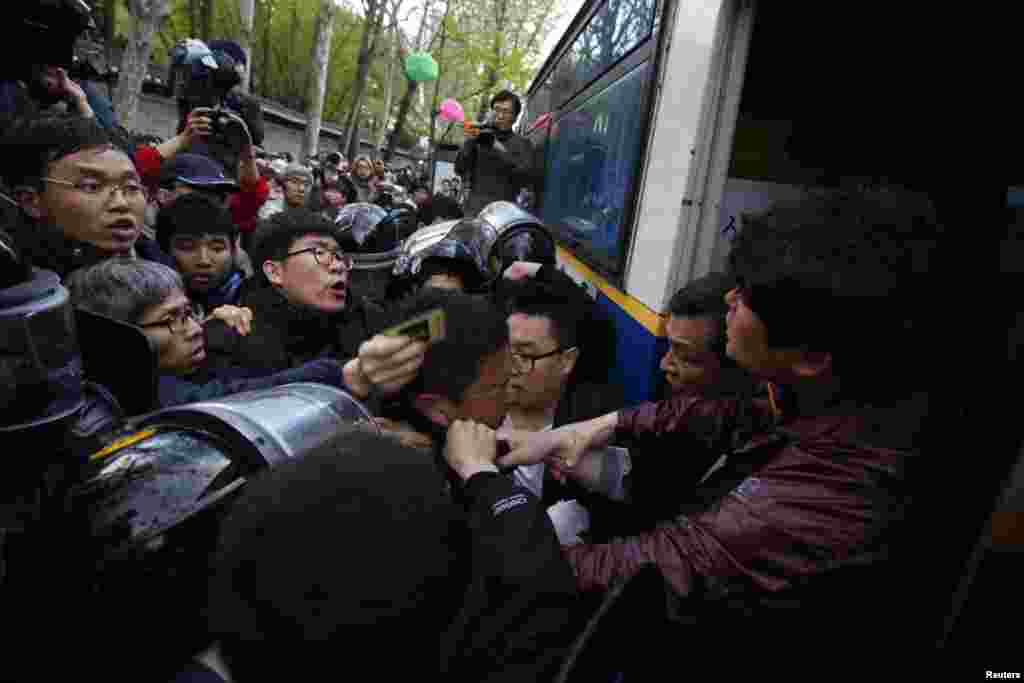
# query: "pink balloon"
(452, 111)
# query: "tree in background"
(246, 15)
(373, 18)
(318, 83)
(147, 16)
(411, 86)
(480, 46)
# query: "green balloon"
(420, 66)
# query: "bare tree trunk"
(318, 83)
(109, 23)
(247, 11)
(147, 16)
(437, 90)
(374, 8)
(403, 114)
(207, 20)
(499, 43)
(389, 84)
(193, 18)
(410, 89)
(265, 78)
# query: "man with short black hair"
(204, 243)
(496, 162)
(300, 305)
(81, 197)
(562, 348)
(696, 362)
(464, 376)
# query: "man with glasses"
(80, 196)
(296, 183)
(495, 161)
(562, 348)
(300, 306)
(152, 297)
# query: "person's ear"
(812, 364)
(569, 360)
(274, 272)
(436, 408)
(30, 201)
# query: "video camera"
(200, 80)
(200, 76)
(487, 130)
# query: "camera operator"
(205, 79)
(494, 160)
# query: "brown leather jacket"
(798, 494)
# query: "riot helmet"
(358, 225)
(521, 237)
(154, 500)
(390, 196)
(372, 229)
(175, 463)
(40, 362)
(465, 243)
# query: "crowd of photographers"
(500, 499)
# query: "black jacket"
(517, 616)
(284, 337)
(495, 175)
(47, 248)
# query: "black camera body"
(487, 130)
(201, 79)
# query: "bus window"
(613, 31)
(589, 181)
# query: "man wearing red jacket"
(168, 165)
(827, 309)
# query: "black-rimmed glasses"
(177, 323)
(524, 364)
(325, 257)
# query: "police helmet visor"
(40, 363)
(358, 222)
(150, 486)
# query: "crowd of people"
(510, 494)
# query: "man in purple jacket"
(824, 309)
